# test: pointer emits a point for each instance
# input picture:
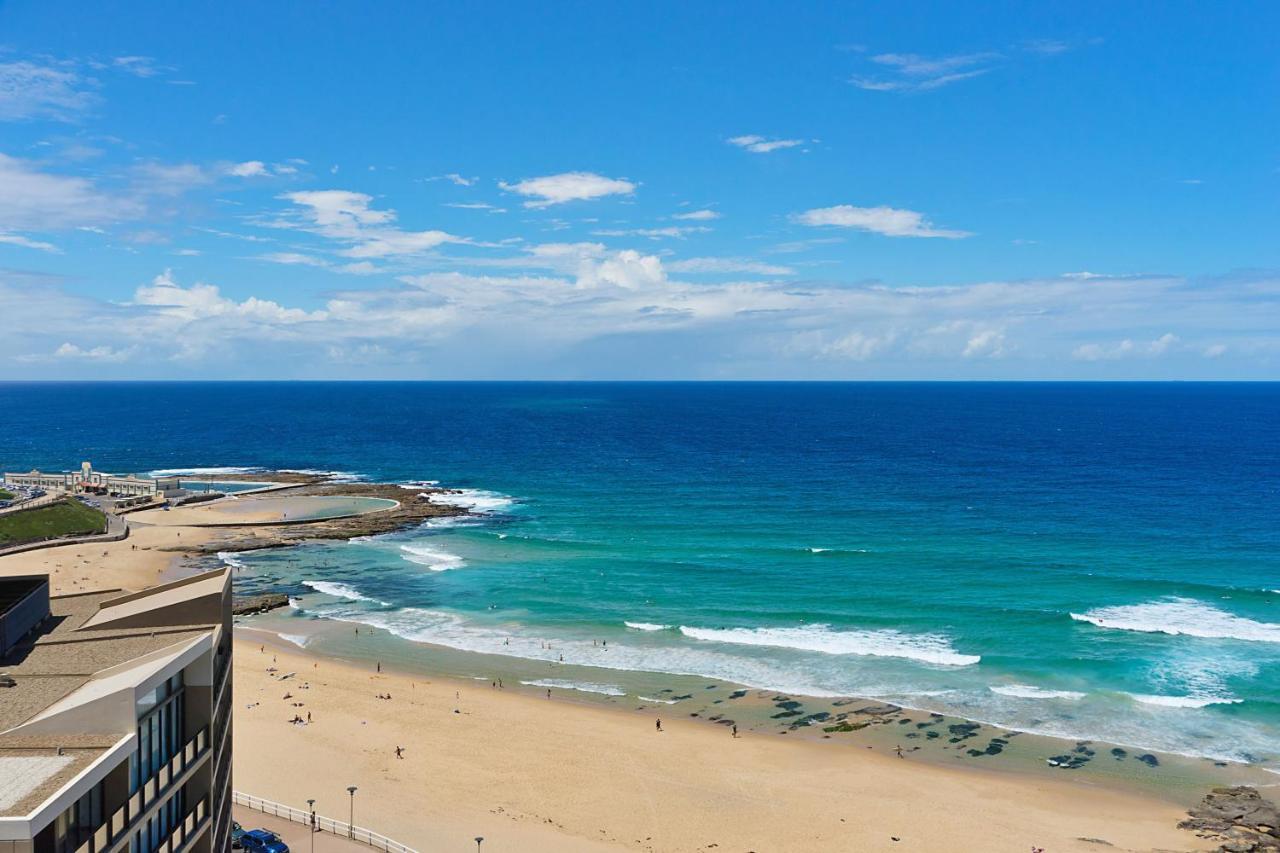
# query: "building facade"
(88, 480)
(115, 724)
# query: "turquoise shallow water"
(1085, 560)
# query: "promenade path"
(295, 834)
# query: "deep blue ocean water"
(1087, 560)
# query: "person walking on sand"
(735, 729)
(400, 752)
(379, 666)
(898, 749)
(548, 693)
(658, 724)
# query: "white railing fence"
(323, 824)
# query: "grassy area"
(6, 495)
(67, 518)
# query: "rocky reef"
(1239, 818)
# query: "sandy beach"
(533, 774)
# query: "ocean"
(1087, 560)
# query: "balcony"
(113, 835)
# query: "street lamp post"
(311, 804)
(479, 840)
(351, 821)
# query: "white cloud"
(138, 66)
(913, 72)
(26, 242)
(30, 91)
(889, 221)
(761, 145)
(248, 169)
(34, 200)
(346, 217)
(568, 186)
(454, 178)
(728, 265)
(102, 354)
(593, 311)
(1126, 348)
(704, 215)
(678, 232)
(476, 205)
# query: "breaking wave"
(341, 590)
(927, 648)
(1028, 691)
(581, 686)
(1181, 617)
(433, 558)
(646, 626)
(1183, 701)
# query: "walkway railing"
(323, 824)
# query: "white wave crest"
(1184, 701)
(230, 559)
(175, 472)
(646, 626)
(928, 648)
(418, 485)
(331, 476)
(433, 558)
(476, 500)
(297, 639)
(659, 701)
(341, 590)
(1181, 616)
(582, 686)
(1028, 691)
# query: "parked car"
(262, 841)
(237, 831)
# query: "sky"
(639, 191)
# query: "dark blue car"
(262, 841)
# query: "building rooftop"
(78, 655)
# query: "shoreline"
(157, 553)
(942, 740)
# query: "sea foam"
(1181, 616)
(928, 648)
(646, 626)
(341, 590)
(476, 500)
(433, 558)
(192, 472)
(1028, 691)
(581, 686)
(1183, 701)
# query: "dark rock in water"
(820, 717)
(846, 727)
(1068, 762)
(725, 722)
(878, 710)
(926, 724)
(995, 747)
(904, 721)
(685, 696)
(963, 731)
(1238, 816)
(249, 604)
(932, 735)
(781, 714)
(789, 704)
(737, 694)
(1149, 760)
(1119, 753)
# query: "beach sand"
(533, 774)
(149, 556)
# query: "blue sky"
(719, 191)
